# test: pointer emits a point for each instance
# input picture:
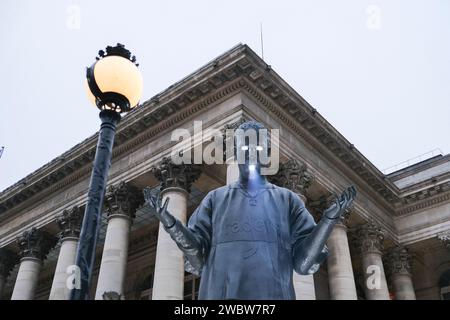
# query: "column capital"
(444, 237)
(320, 205)
(343, 220)
(317, 207)
(293, 175)
(35, 243)
(369, 238)
(112, 295)
(8, 259)
(398, 261)
(176, 175)
(69, 221)
(123, 199)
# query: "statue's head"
(252, 148)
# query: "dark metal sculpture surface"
(246, 238)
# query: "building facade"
(393, 244)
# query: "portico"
(390, 245)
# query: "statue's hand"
(160, 212)
(340, 204)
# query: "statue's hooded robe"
(248, 242)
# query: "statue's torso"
(251, 251)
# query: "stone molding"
(238, 69)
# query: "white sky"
(378, 71)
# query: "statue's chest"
(242, 217)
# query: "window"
(191, 286)
(144, 289)
(444, 284)
(146, 294)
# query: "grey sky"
(382, 80)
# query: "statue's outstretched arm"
(311, 252)
(182, 235)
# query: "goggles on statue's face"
(252, 147)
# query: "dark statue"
(245, 239)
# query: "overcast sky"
(378, 71)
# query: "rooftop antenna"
(261, 38)
(1, 151)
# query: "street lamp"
(114, 85)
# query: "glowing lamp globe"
(114, 82)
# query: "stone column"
(232, 173)
(8, 260)
(398, 268)
(121, 203)
(370, 242)
(341, 281)
(176, 181)
(304, 284)
(228, 151)
(34, 246)
(293, 175)
(70, 223)
(444, 238)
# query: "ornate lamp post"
(114, 85)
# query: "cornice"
(307, 133)
(418, 167)
(218, 97)
(63, 177)
(237, 69)
(422, 203)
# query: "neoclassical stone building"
(393, 244)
